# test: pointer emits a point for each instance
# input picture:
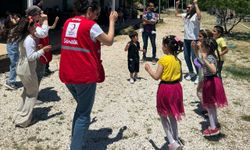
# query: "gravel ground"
(124, 115)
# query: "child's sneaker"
(136, 78)
(154, 61)
(196, 80)
(211, 132)
(10, 86)
(189, 76)
(174, 146)
(131, 80)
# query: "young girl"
(26, 70)
(169, 95)
(222, 46)
(203, 34)
(213, 94)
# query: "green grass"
(239, 72)
(243, 36)
(17, 146)
(246, 118)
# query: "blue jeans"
(152, 37)
(84, 94)
(188, 53)
(13, 54)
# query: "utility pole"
(113, 5)
(29, 3)
(159, 9)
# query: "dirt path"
(124, 115)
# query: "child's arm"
(198, 12)
(42, 32)
(55, 23)
(31, 52)
(13, 20)
(176, 9)
(127, 46)
(224, 50)
(143, 50)
(181, 69)
(210, 65)
(195, 47)
(155, 75)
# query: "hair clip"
(30, 19)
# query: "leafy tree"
(225, 10)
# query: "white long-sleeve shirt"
(30, 47)
(28, 57)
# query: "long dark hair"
(206, 33)
(174, 45)
(191, 13)
(211, 45)
(21, 30)
(81, 6)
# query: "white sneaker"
(131, 80)
(175, 146)
(196, 80)
(136, 78)
(154, 62)
(38, 102)
(189, 76)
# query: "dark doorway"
(12, 6)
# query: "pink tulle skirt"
(170, 100)
(213, 93)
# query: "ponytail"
(174, 44)
(21, 30)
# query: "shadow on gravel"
(48, 95)
(99, 139)
(42, 114)
(163, 147)
(201, 111)
(215, 138)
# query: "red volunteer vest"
(47, 56)
(80, 56)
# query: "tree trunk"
(234, 24)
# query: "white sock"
(215, 116)
(174, 127)
(211, 115)
(166, 126)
